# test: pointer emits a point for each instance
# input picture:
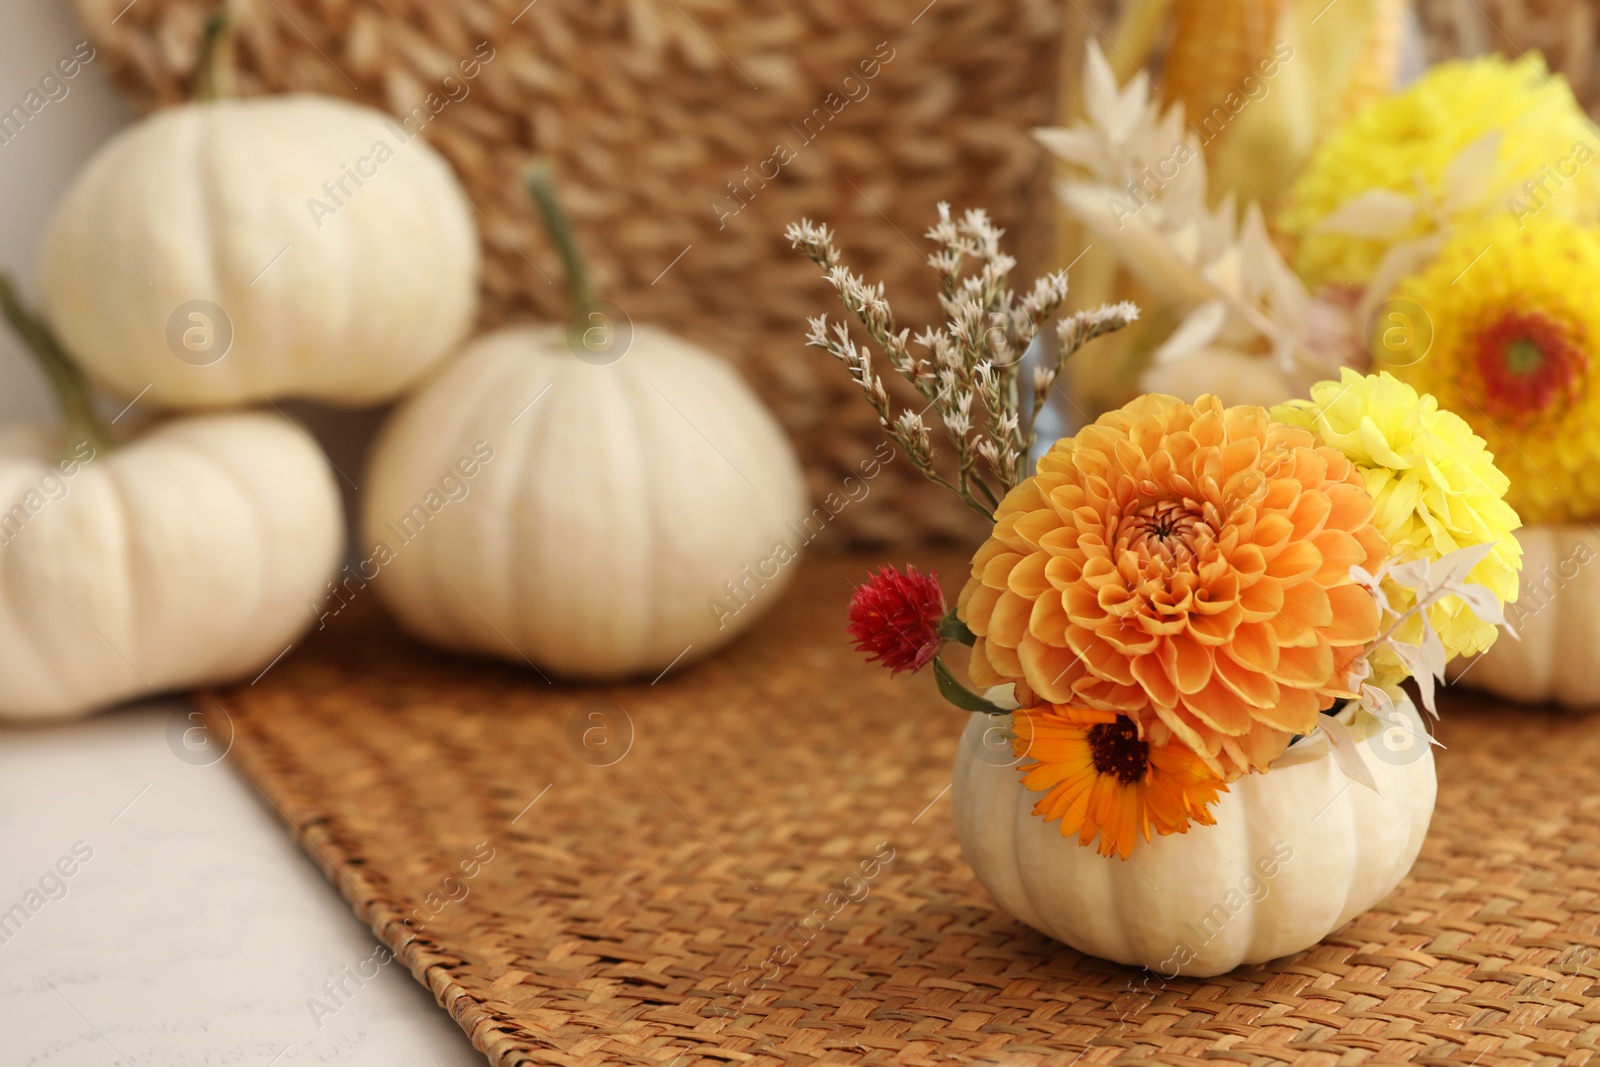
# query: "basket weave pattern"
(1566, 32)
(668, 121)
(621, 900)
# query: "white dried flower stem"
(973, 360)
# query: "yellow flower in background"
(1515, 314)
(1545, 159)
(1436, 487)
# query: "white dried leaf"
(1399, 262)
(1195, 332)
(1376, 701)
(1425, 662)
(1115, 111)
(1452, 568)
(1374, 214)
(1470, 178)
(1372, 583)
(1484, 604)
(1345, 752)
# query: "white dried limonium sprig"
(969, 369)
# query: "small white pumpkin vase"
(590, 504)
(228, 250)
(1557, 618)
(1295, 854)
(187, 556)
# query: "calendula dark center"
(1117, 750)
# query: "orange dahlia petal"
(1306, 615)
(1187, 662)
(1296, 561)
(1355, 615)
(1027, 578)
(998, 569)
(1340, 551)
(1310, 515)
(1295, 712)
(1219, 708)
(980, 669)
(1305, 668)
(1156, 680)
(1257, 690)
(1255, 646)
(1186, 565)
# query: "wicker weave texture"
(1566, 32)
(687, 134)
(656, 846)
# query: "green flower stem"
(72, 392)
(214, 70)
(952, 690)
(540, 183)
(953, 629)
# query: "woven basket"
(1567, 32)
(660, 116)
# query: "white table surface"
(197, 932)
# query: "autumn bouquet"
(1186, 617)
(1446, 232)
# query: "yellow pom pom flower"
(1515, 326)
(1544, 160)
(1436, 488)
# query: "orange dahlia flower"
(1098, 777)
(1187, 566)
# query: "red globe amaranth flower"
(896, 618)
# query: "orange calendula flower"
(1100, 778)
(1187, 566)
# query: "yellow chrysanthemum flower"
(1515, 324)
(1544, 160)
(1436, 487)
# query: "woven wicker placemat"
(566, 911)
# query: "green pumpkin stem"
(72, 391)
(541, 185)
(214, 70)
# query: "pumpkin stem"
(541, 185)
(72, 392)
(214, 70)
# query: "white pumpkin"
(1296, 853)
(1557, 618)
(187, 557)
(597, 521)
(225, 251)
(599, 500)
